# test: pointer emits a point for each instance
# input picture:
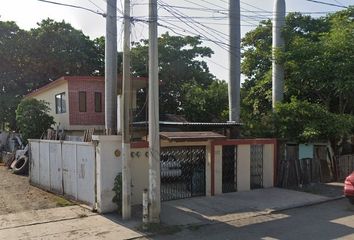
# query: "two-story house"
(77, 102)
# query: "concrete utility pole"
(126, 119)
(154, 129)
(235, 60)
(111, 67)
(278, 45)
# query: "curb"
(308, 204)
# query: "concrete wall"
(86, 171)
(48, 95)
(244, 163)
(268, 165)
(218, 170)
(140, 173)
(66, 168)
(109, 165)
(243, 167)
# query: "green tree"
(206, 104)
(13, 62)
(304, 121)
(30, 59)
(59, 49)
(318, 58)
(33, 119)
(179, 63)
(100, 55)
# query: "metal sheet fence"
(345, 166)
(66, 168)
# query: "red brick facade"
(90, 85)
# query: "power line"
(191, 22)
(96, 5)
(74, 6)
(328, 4)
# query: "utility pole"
(154, 129)
(235, 60)
(126, 119)
(278, 45)
(111, 67)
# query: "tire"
(351, 200)
(21, 166)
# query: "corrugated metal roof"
(196, 136)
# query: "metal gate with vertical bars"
(229, 169)
(182, 172)
(256, 166)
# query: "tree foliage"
(33, 119)
(208, 104)
(30, 59)
(318, 72)
(304, 121)
(179, 63)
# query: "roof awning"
(192, 136)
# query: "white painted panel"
(44, 168)
(55, 167)
(218, 170)
(268, 165)
(243, 167)
(86, 173)
(34, 162)
(69, 169)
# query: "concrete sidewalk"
(235, 206)
(76, 222)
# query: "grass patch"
(62, 202)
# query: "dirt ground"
(17, 195)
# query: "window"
(60, 103)
(82, 101)
(98, 102)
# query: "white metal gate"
(67, 168)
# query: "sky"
(186, 17)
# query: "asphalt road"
(331, 220)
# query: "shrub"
(32, 118)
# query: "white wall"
(243, 167)
(140, 174)
(49, 96)
(109, 165)
(268, 165)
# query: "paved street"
(331, 220)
